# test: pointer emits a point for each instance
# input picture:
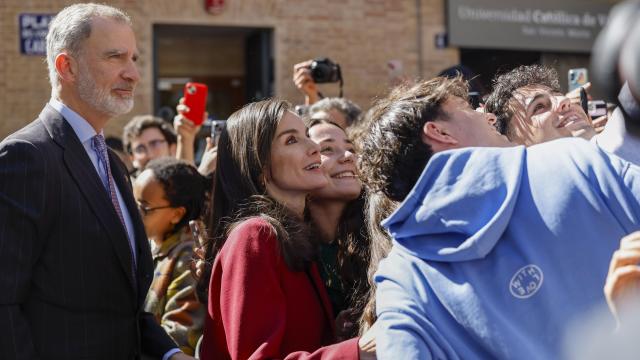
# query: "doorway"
(236, 63)
(486, 63)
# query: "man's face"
(541, 114)
(470, 127)
(151, 144)
(107, 74)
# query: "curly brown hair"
(395, 152)
(505, 85)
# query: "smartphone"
(577, 78)
(584, 100)
(196, 231)
(195, 98)
(216, 129)
(597, 108)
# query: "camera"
(323, 70)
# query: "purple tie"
(100, 147)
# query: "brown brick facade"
(362, 35)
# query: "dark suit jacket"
(67, 287)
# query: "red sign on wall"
(214, 6)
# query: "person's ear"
(173, 149)
(66, 67)
(435, 133)
(178, 214)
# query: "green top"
(328, 267)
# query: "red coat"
(259, 309)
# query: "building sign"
(33, 33)
(541, 25)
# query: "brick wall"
(362, 35)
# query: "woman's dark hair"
(353, 255)
(353, 244)
(244, 152)
(183, 186)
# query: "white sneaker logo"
(526, 282)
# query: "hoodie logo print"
(526, 282)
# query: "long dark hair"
(353, 255)
(244, 152)
(353, 245)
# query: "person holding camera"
(318, 71)
(306, 76)
(304, 82)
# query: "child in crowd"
(170, 193)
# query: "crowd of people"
(422, 228)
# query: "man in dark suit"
(75, 264)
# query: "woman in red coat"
(266, 298)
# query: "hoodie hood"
(447, 215)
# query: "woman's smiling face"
(338, 163)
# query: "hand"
(181, 356)
(622, 287)
(184, 127)
(304, 82)
(599, 123)
(199, 252)
(345, 325)
(187, 132)
(367, 344)
(209, 158)
(574, 95)
(200, 263)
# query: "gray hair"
(348, 108)
(71, 27)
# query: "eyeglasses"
(146, 210)
(153, 145)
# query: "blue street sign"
(33, 33)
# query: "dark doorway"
(235, 62)
(486, 63)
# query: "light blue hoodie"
(497, 250)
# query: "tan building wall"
(361, 35)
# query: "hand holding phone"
(195, 99)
